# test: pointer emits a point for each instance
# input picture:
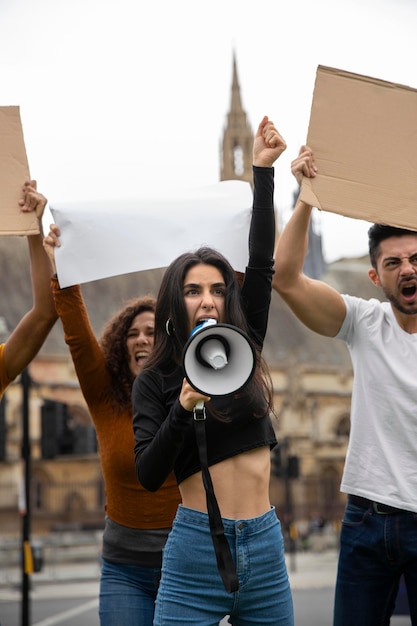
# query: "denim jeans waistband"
(253, 524)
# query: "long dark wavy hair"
(113, 344)
(168, 348)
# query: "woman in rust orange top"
(137, 522)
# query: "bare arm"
(30, 333)
(320, 307)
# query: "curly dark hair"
(113, 345)
(168, 349)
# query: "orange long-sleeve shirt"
(127, 502)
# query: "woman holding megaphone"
(224, 554)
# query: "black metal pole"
(290, 522)
(288, 505)
(26, 453)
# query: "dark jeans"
(127, 594)
(375, 550)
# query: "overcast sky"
(123, 98)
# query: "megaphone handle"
(199, 412)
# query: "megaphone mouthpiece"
(213, 352)
(202, 325)
(218, 359)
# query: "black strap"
(224, 557)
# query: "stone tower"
(236, 147)
(236, 164)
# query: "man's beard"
(411, 310)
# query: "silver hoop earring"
(169, 327)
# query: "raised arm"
(257, 280)
(30, 333)
(86, 353)
(320, 307)
(267, 147)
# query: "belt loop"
(377, 511)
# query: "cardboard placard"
(14, 172)
(363, 134)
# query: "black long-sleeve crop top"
(163, 429)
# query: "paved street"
(67, 594)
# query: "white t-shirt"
(381, 461)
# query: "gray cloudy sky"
(121, 98)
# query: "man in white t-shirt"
(379, 531)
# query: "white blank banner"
(108, 238)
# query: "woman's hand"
(268, 144)
(32, 200)
(50, 242)
(189, 396)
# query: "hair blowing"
(113, 344)
(168, 349)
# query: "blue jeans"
(127, 594)
(191, 589)
(375, 549)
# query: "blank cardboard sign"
(14, 171)
(363, 132)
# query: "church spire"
(236, 102)
(236, 148)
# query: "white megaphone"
(218, 359)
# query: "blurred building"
(312, 379)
